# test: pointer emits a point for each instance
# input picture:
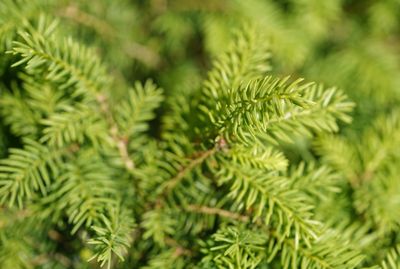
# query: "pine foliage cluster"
(181, 134)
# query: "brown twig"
(170, 184)
(179, 250)
(258, 222)
(217, 211)
(132, 49)
(74, 13)
(120, 141)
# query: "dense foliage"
(181, 134)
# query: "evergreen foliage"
(181, 134)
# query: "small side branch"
(216, 211)
(170, 184)
(120, 141)
(132, 49)
(179, 250)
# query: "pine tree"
(133, 136)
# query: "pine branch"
(132, 116)
(324, 253)
(83, 191)
(216, 211)
(63, 62)
(41, 96)
(28, 170)
(158, 225)
(268, 196)
(257, 156)
(235, 247)
(16, 112)
(71, 66)
(330, 106)
(170, 184)
(392, 260)
(328, 252)
(338, 152)
(246, 59)
(383, 138)
(119, 141)
(270, 108)
(72, 124)
(113, 237)
(258, 96)
(13, 15)
(315, 180)
(167, 259)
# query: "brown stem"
(132, 49)
(170, 184)
(120, 141)
(258, 222)
(217, 211)
(179, 250)
(74, 13)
